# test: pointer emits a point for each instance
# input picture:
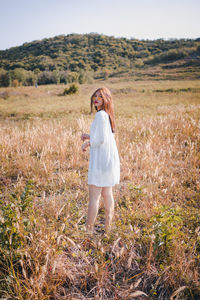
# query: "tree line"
(20, 76)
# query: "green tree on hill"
(75, 53)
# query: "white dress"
(104, 164)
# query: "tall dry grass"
(153, 249)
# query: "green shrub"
(18, 75)
(14, 219)
(172, 225)
(46, 77)
(82, 78)
(167, 56)
(4, 78)
(73, 89)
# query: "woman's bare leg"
(109, 206)
(93, 207)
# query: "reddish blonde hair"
(107, 104)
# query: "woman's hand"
(85, 145)
(85, 136)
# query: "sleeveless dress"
(104, 163)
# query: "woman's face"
(98, 100)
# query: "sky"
(24, 21)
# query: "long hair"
(107, 104)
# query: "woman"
(104, 165)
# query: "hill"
(94, 55)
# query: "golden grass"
(131, 97)
(153, 248)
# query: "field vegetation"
(153, 250)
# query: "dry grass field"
(153, 250)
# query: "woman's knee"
(106, 192)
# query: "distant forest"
(84, 57)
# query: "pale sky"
(28, 20)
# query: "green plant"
(73, 89)
(166, 228)
(14, 219)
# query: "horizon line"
(96, 33)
